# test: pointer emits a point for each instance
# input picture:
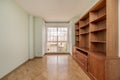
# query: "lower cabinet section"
(81, 58)
(112, 69)
(96, 66)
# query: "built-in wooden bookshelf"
(96, 48)
(82, 48)
(84, 33)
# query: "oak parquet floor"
(50, 67)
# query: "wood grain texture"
(99, 34)
(50, 67)
(112, 28)
(97, 66)
(112, 69)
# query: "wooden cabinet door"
(73, 51)
(96, 66)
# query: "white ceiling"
(55, 10)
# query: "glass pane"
(57, 39)
(62, 46)
(52, 34)
(52, 47)
(62, 34)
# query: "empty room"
(59, 40)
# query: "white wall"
(71, 37)
(13, 36)
(36, 36)
(72, 27)
(39, 36)
(31, 37)
(43, 38)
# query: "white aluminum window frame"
(57, 38)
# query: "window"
(57, 39)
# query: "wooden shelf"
(95, 41)
(83, 26)
(77, 39)
(97, 30)
(77, 29)
(84, 33)
(99, 19)
(77, 34)
(83, 49)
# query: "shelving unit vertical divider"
(77, 34)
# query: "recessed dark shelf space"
(85, 25)
(82, 52)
